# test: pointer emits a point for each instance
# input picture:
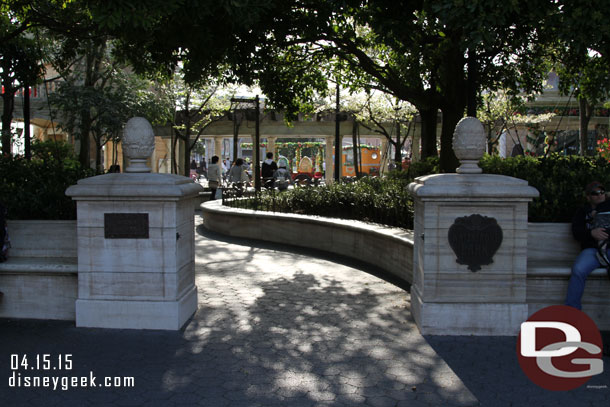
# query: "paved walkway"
(280, 326)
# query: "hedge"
(378, 200)
(559, 179)
(36, 189)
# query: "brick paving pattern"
(282, 326)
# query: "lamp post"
(338, 150)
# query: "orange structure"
(369, 161)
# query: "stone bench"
(40, 278)
(550, 254)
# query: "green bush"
(379, 200)
(36, 189)
(559, 179)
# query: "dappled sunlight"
(311, 327)
(173, 380)
(275, 325)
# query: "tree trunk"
(8, 98)
(455, 99)
(84, 155)
(398, 147)
(187, 142)
(236, 126)
(451, 116)
(585, 111)
(98, 156)
(356, 148)
(471, 84)
(187, 155)
(173, 155)
(85, 142)
(114, 151)
(429, 119)
(338, 146)
(27, 139)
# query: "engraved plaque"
(475, 239)
(126, 225)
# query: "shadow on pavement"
(319, 254)
(489, 368)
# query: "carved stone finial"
(138, 144)
(469, 145)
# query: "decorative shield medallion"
(475, 239)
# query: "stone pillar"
(385, 156)
(416, 146)
(136, 250)
(218, 147)
(470, 248)
(208, 147)
(271, 147)
(255, 151)
(167, 163)
(328, 159)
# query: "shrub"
(376, 200)
(559, 179)
(36, 189)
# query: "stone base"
(467, 318)
(125, 314)
(37, 294)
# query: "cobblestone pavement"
(281, 326)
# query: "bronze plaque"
(475, 239)
(126, 225)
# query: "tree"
(433, 54)
(20, 67)
(195, 108)
(504, 114)
(436, 54)
(98, 95)
(583, 57)
(385, 115)
(26, 16)
(158, 35)
(589, 82)
(24, 20)
(84, 66)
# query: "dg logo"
(560, 348)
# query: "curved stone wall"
(391, 249)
